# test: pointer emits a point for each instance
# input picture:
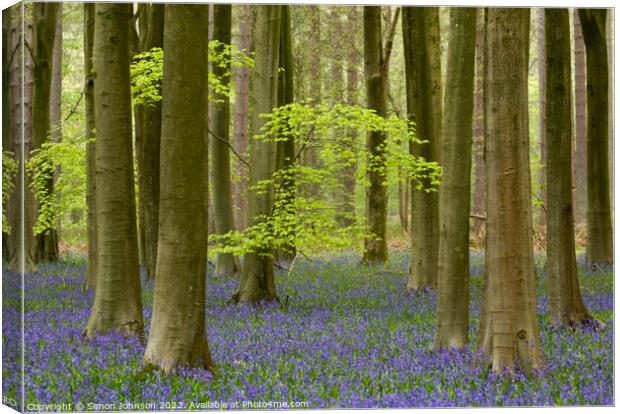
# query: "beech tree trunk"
(44, 17)
(542, 177)
(509, 332)
(150, 149)
(600, 243)
(89, 133)
(478, 200)
(178, 333)
(581, 174)
(257, 280)
(7, 55)
(565, 304)
(240, 137)
(225, 264)
(375, 68)
(423, 83)
(455, 191)
(118, 305)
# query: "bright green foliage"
(310, 222)
(9, 168)
(69, 187)
(147, 72)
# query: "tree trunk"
(565, 304)
(540, 22)
(257, 280)
(285, 157)
(225, 264)
(22, 214)
(89, 133)
(240, 137)
(423, 83)
(509, 332)
(310, 156)
(600, 244)
(7, 55)
(56, 101)
(455, 191)
(375, 247)
(178, 333)
(150, 148)
(581, 188)
(44, 19)
(478, 206)
(117, 305)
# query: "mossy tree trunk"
(178, 333)
(565, 303)
(44, 17)
(600, 243)
(375, 69)
(225, 264)
(509, 332)
(150, 148)
(89, 133)
(455, 191)
(117, 305)
(423, 86)
(257, 279)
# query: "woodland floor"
(349, 336)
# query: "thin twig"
(230, 147)
(390, 42)
(74, 108)
(477, 216)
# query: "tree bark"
(7, 55)
(257, 280)
(151, 132)
(455, 191)
(44, 19)
(509, 332)
(117, 305)
(89, 133)
(225, 264)
(581, 187)
(478, 200)
(375, 68)
(178, 333)
(600, 244)
(542, 178)
(423, 83)
(310, 156)
(240, 137)
(566, 306)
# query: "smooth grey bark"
(117, 305)
(178, 332)
(89, 133)
(225, 263)
(424, 102)
(257, 279)
(542, 179)
(566, 306)
(600, 240)
(509, 332)
(478, 207)
(580, 168)
(455, 191)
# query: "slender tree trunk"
(89, 133)
(151, 132)
(375, 247)
(225, 264)
(7, 55)
(257, 279)
(509, 332)
(542, 222)
(56, 102)
(44, 20)
(22, 214)
(581, 191)
(423, 83)
(285, 156)
(240, 137)
(565, 304)
(117, 305)
(178, 333)
(478, 199)
(310, 156)
(600, 244)
(455, 191)
(348, 180)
